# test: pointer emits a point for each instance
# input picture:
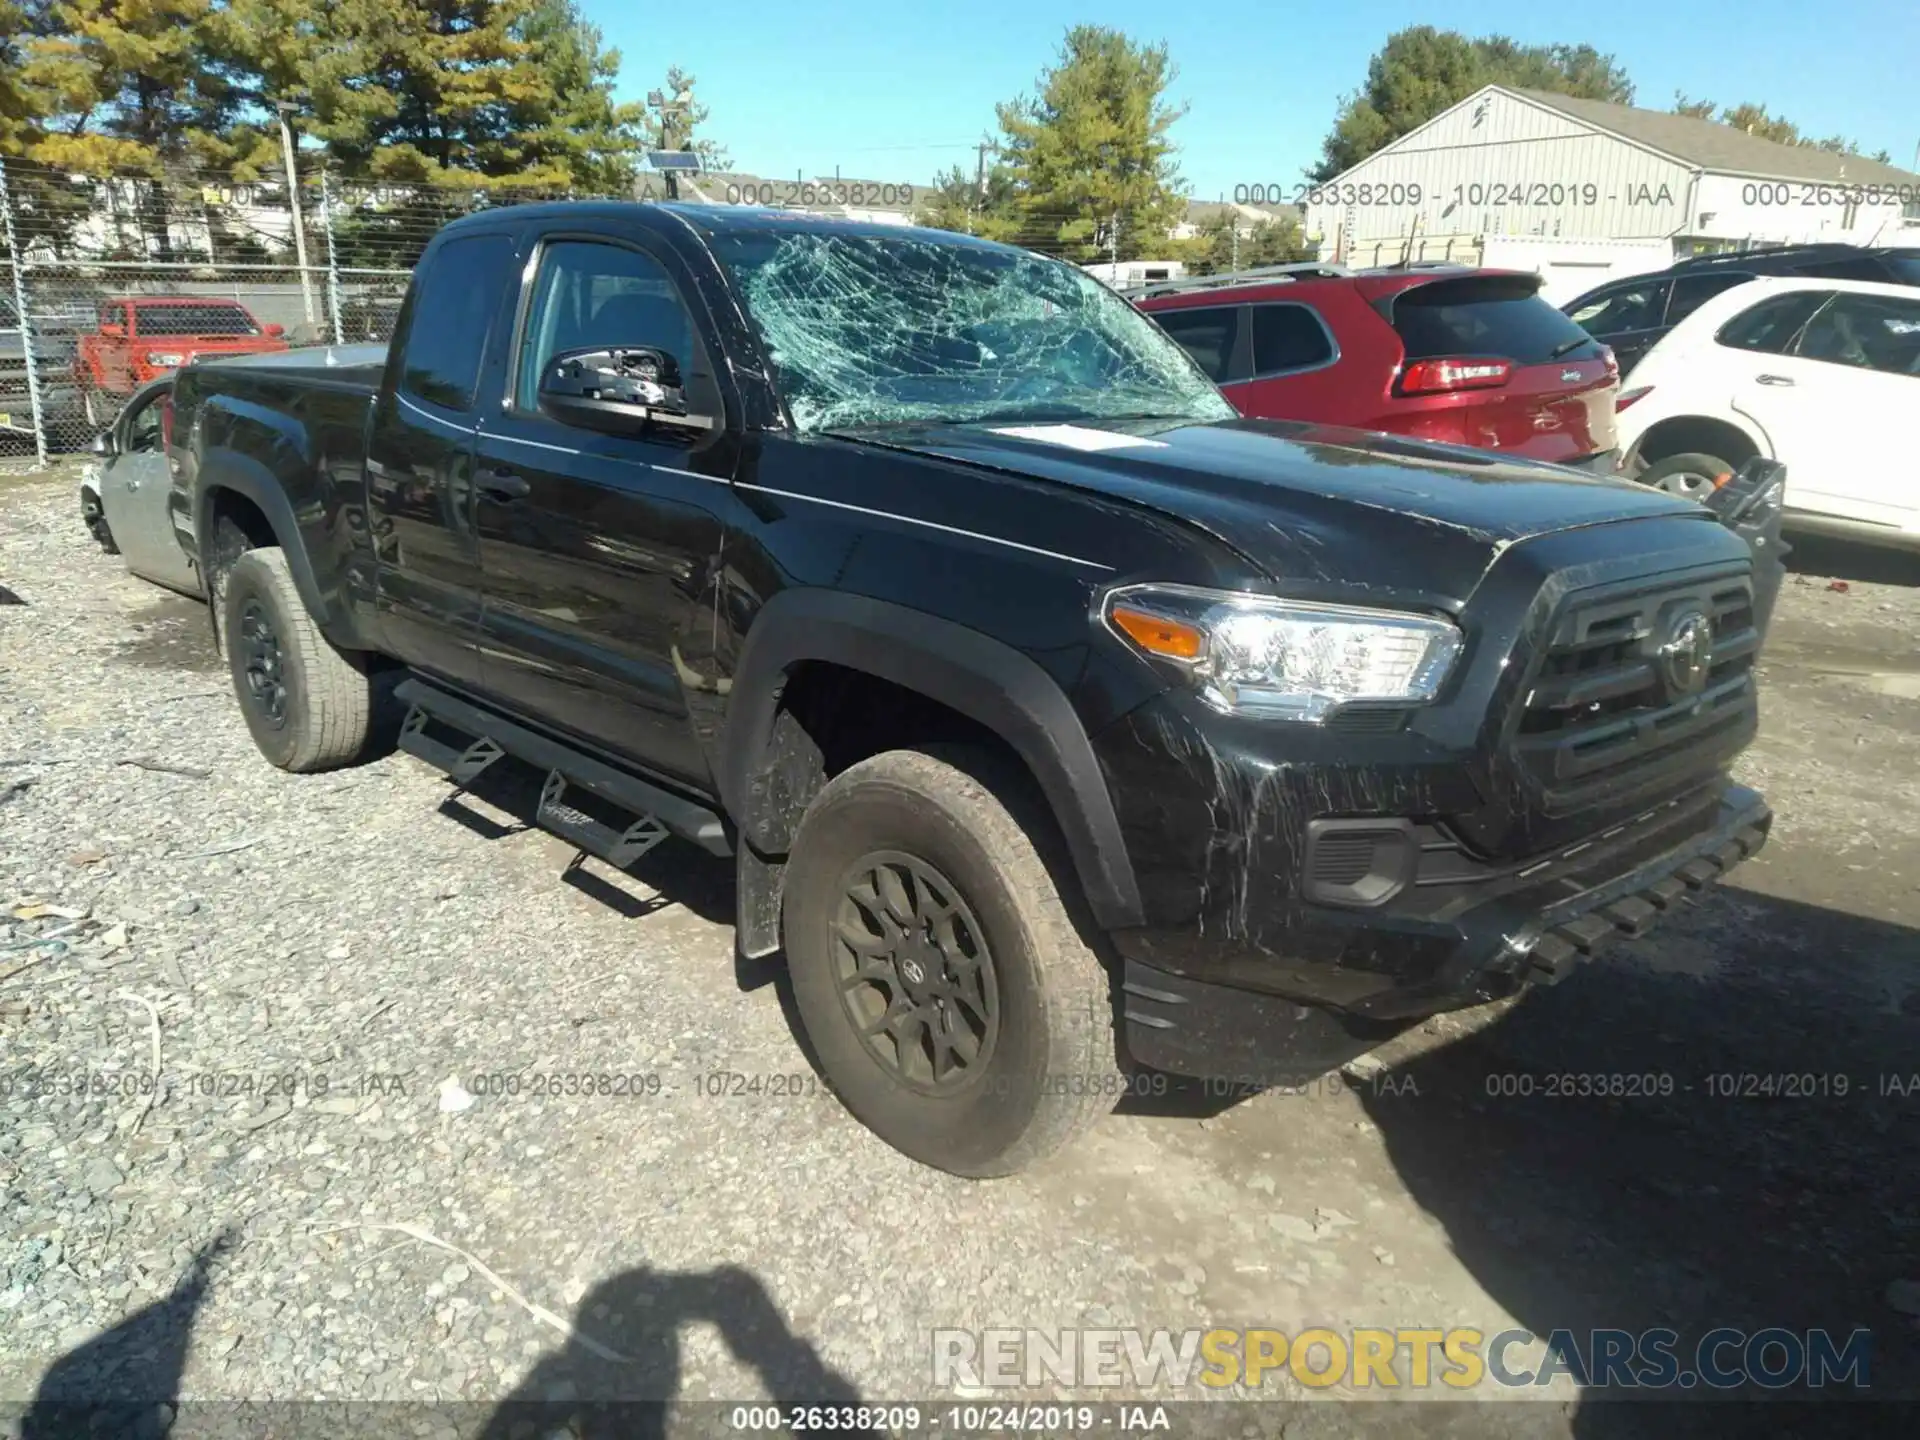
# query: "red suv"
(1470, 357)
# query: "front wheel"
(953, 1001)
(307, 704)
(1692, 476)
(94, 513)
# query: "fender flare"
(224, 469)
(963, 669)
(1737, 421)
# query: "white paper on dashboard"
(1078, 437)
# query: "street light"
(286, 108)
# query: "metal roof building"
(1511, 162)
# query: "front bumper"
(1555, 913)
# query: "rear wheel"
(952, 1000)
(1691, 476)
(307, 705)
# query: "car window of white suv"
(1870, 332)
(1772, 326)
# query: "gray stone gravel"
(360, 981)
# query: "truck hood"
(1308, 502)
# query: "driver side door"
(601, 554)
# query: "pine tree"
(460, 92)
(1088, 155)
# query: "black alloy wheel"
(915, 972)
(265, 664)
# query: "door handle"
(503, 485)
(1775, 379)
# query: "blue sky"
(898, 89)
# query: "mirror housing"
(111, 329)
(275, 332)
(617, 390)
(102, 446)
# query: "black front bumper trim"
(1564, 942)
(1227, 1032)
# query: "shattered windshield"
(869, 329)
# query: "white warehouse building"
(1580, 189)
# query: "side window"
(1869, 332)
(1208, 334)
(1288, 337)
(1631, 307)
(1770, 326)
(446, 331)
(592, 295)
(1690, 292)
(144, 424)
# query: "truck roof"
(712, 219)
(144, 301)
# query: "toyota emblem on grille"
(1687, 653)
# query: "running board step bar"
(656, 812)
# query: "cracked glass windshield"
(871, 330)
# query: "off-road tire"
(1052, 1070)
(326, 708)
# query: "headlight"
(165, 357)
(1286, 659)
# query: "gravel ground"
(350, 1179)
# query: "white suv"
(1823, 375)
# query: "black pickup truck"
(1063, 728)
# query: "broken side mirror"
(1751, 503)
(618, 390)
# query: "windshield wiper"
(1571, 345)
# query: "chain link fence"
(107, 282)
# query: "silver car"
(124, 491)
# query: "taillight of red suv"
(1445, 374)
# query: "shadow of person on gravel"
(1664, 1143)
(124, 1381)
(613, 1380)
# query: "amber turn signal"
(1157, 635)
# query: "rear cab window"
(1493, 315)
(441, 336)
(209, 319)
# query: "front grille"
(1619, 691)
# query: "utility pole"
(665, 106)
(286, 108)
